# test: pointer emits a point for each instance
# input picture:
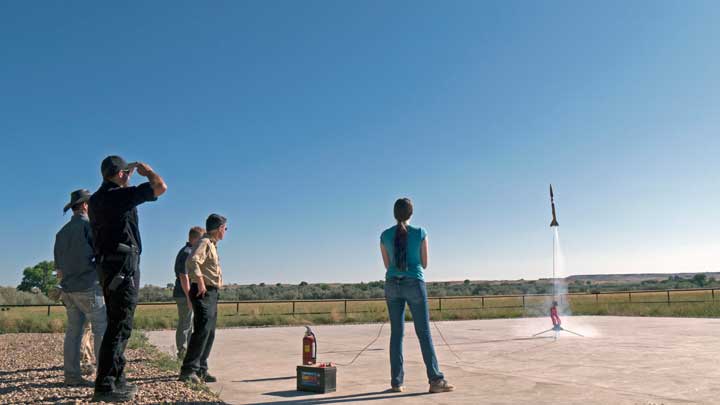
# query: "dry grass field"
(700, 303)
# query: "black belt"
(114, 256)
(207, 287)
(121, 253)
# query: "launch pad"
(557, 329)
(621, 360)
(554, 316)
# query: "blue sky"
(302, 122)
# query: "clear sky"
(302, 122)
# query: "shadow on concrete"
(291, 377)
(479, 342)
(198, 403)
(378, 349)
(290, 393)
(364, 397)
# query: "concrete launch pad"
(621, 360)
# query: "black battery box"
(316, 379)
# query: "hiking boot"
(397, 388)
(112, 396)
(126, 387)
(441, 385)
(190, 378)
(209, 378)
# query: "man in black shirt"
(114, 222)
(180, 293)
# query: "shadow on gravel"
(169, 378)
(20, 386)
(62, 393)
(31, 370)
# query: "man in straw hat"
(81, 294)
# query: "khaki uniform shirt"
(204, 262)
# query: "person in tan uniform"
(87, 357)
(203, 265)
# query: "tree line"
(39, 279)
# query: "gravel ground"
(31, 373)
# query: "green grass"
(163, 361)
(32, 319)
(149, 317)
(160, 360)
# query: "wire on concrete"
(364, 348)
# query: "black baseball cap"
(112, 165)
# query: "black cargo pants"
(203, 335)
(120, 304)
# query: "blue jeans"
(398, 292)
(184, 326)
(82, 306)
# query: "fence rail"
(485, 301)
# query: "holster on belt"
(123, 252)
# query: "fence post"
(713, 293)
(293, 314)
(345, 307)
(237, 307)
(523, 301)
(482, 303)
(597, 298)
(48, 310)
(629, 296)
(440, 300)
(668, 297)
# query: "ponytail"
(403, 211)
(400, 244)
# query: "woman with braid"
(404, 251)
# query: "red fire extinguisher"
(309, 355)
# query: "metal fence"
(474, 302)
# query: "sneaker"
(441, 385)
(112, 396)
(190, 378)
(209, 378)
(126, 387)
(80, 382)
(397, 388)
